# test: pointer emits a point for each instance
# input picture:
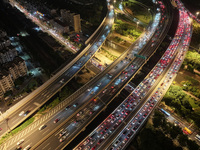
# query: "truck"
(187, 131)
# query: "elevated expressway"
(144, 98)
(106, 87)
(81, 96)
(11, 119)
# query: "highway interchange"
(87, 95)
(97, 94)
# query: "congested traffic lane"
(139, 117)
(122, 115)
(158, 93)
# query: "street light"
(137, 24)
(197, 13)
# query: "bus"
(187, 131)
(197, 137)
(165, 112)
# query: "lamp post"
(197, 14)
(137, 24)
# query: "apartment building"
(17, 68)
(6, 82)
(71, 18)
(4, 42)
(7, 54)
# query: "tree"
(175, 131)
(182, 139)
(158, 119)
(190, 68)
(192, 145)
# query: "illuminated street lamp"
(137, 24)
(197, 13)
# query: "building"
(21, 66)
(6, 82)
(60, 26)
(4, 42)
(7, 54)
(72, 19)
(12, 66)
(77, 23)
(17, 68)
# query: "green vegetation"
(161, 134)
(108, 54)
(183, 104)
(192, 61)
(16, 130)
(63, 94)
(139, 10)
(126, 29)
(195, 35)
(192, 86)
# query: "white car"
(21, 113)
(27, 147)
(20, 142)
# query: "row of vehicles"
(183, 24)
(139, 118)
(117, 118)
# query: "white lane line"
(45, 131)
(36, 104)
(58, 132)
(45, 146)
(15, 121)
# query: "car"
(42, 127)
(111, 130)
(55, 121)
(79, 113)
(93, 148)
(63, 133)
(19, 148)
(66, 108)
(62, 80)
(104, 90)
(105, 135)
(116, 143)
(124, 132)
(92, 141)
(26, 113)
(21, 113)
(20, 142)
(119, 109)
(75, 105)
(63, 138)
(99, 142)
(124, 141)
(27, 147)
(87, 148)
(129, 135)
(86, 142)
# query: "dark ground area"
(13, 22)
